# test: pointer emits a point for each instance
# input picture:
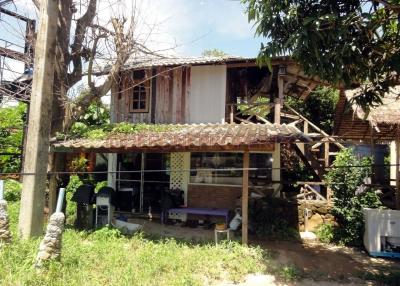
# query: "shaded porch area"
(217, 181)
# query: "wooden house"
(214, 150)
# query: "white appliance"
(382, 232)
(104, 211)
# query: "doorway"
(141, 179)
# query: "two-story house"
(225, 135)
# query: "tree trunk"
(56, 162)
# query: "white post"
(60, 200)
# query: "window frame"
(147, 87)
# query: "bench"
(202, 211)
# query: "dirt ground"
(320, 264)
(325, 262)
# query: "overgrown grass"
(81, 130)
(105, 257)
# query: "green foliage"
(97, 114)
(325, 233)
(263, 110)
(81, 130)
(289, 273)
(70, 211)
(213, 53)
(12, 190)
(339, 41)
(99, 185)
(319, 107)
(11, 134)
(105, 234)
(79, 164)
(344, 179)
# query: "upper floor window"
(139, 99)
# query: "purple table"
(203, 211)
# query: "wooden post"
(326, 153)
(397, 169)
(279, 101)
(245, 198)
(36, 157)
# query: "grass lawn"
(105, 257)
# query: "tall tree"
(79, 36)
(346, 42)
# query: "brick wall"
(208, 196)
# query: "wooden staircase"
(318, 156)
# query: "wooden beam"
(245, 198)
(4, 52)
(279, 101)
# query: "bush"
(325, 233)
(70, 211)
(12, 190)
(350, 196)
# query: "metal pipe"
(60, 200)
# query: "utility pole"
(37, 147)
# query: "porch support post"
(397, 169)
(279, 101)
(245, 197)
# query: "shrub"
(350, 196)
(70, 211)
(99, 185)
(325, 233)
(12, 190)
(79, 164)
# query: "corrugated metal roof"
(141, 62)
(195, 137)
(146, 62)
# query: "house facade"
(220, 129)
(196, 91)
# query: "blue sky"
(196, 25)
(180, 27)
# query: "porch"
(216, 166)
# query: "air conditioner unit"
(382, 232)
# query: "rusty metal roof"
(194, 137)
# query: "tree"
(213, 53)
(11, 133)
(319, 107)
(79, 43)
(344, 42)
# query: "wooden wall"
(169, 97)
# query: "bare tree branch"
(77, 49)
(36, 3)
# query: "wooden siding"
(170, 89)
(349, 127)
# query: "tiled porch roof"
(193, 137)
